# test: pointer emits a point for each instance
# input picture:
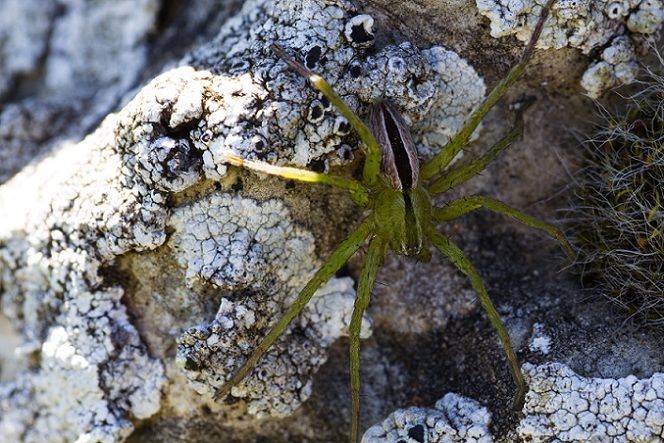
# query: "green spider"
(398, 192)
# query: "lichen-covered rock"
(453, 419)
(620, 27)
(563, 406)
(23, 46)
(582, 24)
(93, 373)
(434, 89)
(81, 51)
(252, 249)
(73, 61)
(617, 66)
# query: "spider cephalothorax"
(402, 209)
(397, 190)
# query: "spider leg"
(340, 255)
(372, 162)
(464, 205)
(357, 191)
(458, 258)
(463, 173)
(372, 262)
(452, 148)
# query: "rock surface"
(136, 266)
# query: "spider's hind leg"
(372, 262)
(340, 255)
(459, 259)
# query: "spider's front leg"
(437, 164)
(373, 158)
(357, 191)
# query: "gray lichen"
(562, 406)
(254, 251)
(620, 27)
(94, 374)
(434, 89)
(453, 419)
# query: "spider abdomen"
(399, 166)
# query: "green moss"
(620, 218)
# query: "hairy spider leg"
(459, 175)
(464, 205)
(340, 255)
(372, 262)
(459, 259)
(372, 160)
(437, 164)
(457, 208)
(357, 191)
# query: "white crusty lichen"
(619, 27)
(261, 259)
(84, 370)
(582, 24)
(435, 89)
(80, 394)
(539, 340)
(453, 419)
(85, 374)
(617, 66)
(563, 406)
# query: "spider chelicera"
(397, 191)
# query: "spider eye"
(399, 166)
